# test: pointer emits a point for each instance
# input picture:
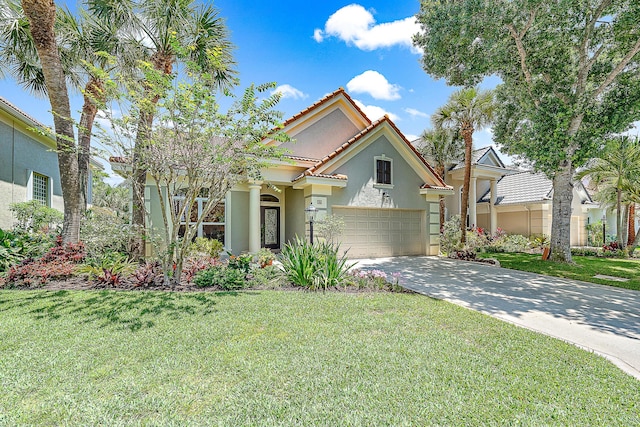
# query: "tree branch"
(616, 71)
(522, 53)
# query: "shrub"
(314, 266)
(110, 269)
(11, 249)
(33, 217)
(514, 243)
(586, 252)
(240, 262)
(105, 231)
(269, 277)
(450, 237)
(539, 241)
(194, 265)
(265, 257)
(58, 263)
(206, 247)
(613, 250)
(376, 280)
(224, 277)
(148, 274)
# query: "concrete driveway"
(602, 319)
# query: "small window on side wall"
(40, 189)
(383, 171)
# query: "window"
(40, 189)
(383, 171)
(212, 226)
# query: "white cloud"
(375, 84)
(288, 91)
(318, 35)
(415, 113)
(373, 112)
(355, 25)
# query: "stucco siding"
(362, 191)
(238, 222)
(323, 136)
(20, 155)
(294, 213)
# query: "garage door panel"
(374, 232)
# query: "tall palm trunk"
(41, 15)
(631, 225)
(94, 94)
(467, 134)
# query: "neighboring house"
(28, 163)
(519, 202)
(345, 165)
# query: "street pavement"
(601, 319)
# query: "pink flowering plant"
(376, 280)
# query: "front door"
(270, 226)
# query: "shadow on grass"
(131, 310)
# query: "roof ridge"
(324, 100)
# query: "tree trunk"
(138, 183)
(41, 15)
(467, 134)
(631, 224)
(94, 94)
(162, 62)
(561, 223)
(619, 219)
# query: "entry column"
(492, 207)
(473, 220)
(254, 216)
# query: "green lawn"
(584, 269)
(290, 358)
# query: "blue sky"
(313, 49)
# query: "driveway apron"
(602, 319)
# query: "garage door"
(371, 232)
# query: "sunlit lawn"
(585, 268)
(290, 358)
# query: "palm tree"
(41, 15)
(442, 147)
(616, 174)
(81, 43)
(168, 31)
(466, 111)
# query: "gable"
(385, 129)
(323, 135)
(324, 126)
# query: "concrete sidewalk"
(602, 319)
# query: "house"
(345, 165)
(28, 163)
(519, 202)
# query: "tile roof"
(519, 188)
(18, 112)
(477, 155)
(324, 101)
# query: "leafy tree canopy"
(570, 68)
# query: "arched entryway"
(269, 221)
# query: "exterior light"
(311, 211)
